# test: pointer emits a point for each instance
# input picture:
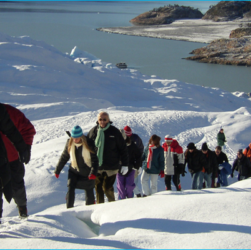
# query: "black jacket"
(137, 140)
(222, 157)
(84, 170)
(195, 160)
(115, 149)
(212, 164)
(243, 166)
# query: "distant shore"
(193, 30)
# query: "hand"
(25, 156)
(57, 176)
(140, 171)
(124, 170)
(92, 177)
(162, 174)
(220, 167)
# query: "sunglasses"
(102, 120)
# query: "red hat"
(168, 138)
(128, 130)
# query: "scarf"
(85, 154)
(100, 142)
(150, 155)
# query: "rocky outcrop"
(228, 10)
(240, 32)
(233, 51)
(166, 15)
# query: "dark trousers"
(17, 182)
(72, 184)
(104, 186)
(176, 180)
(1, 203)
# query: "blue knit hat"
(76, 132)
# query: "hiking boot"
(23, 213)
(138, 195)
(144, 195)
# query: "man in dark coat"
(27, 131)
(195, 160)
(242, 165)
(111, 149)
(210, 171)
(8, 129)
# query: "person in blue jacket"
(153, 165)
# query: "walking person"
(221, 138)
(195, 161)
(8, 128)
(210, 170)
(125, 183)
(111, 149)
(137, 140)
(153, 165)
(242, 165)
(174, 162)
(27, 131)
(83, 167)
(247, 152)
(224, 168)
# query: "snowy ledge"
(193, 30)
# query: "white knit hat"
(168, 138)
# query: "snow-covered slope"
(58, 91)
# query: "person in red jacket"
(27, 131)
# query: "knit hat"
(123, 133)
(240, 151)
(168, 138)
(204, 147)
(191, 146)
(76, 132)
(128, 130)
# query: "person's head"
(217, 150)
(154, 140)
(239, 153)
(204, 148)
(103, 119)
(78, 137)
(191, 147)
(221, 130)
(128, 131)
(168, 140)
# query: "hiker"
(8, 128)
(83, 167)
(221, 138)
(195, 161)
(125, 183)
(174, 162)
(153, 165)
(242, 165)
(210, 169)
(224, 168)
(247, 152)
(27, 131)
(137, 140)
(110, 148)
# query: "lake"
(68, 24)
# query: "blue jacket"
(158, 160)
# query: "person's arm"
(64, 158)
(94, 158)
(122, 148)
(137, 158)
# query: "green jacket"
(158, 161)
(221, 139)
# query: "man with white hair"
(174, 162)
(111, 149)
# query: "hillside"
(57, 91)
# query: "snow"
(57, 91)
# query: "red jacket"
(25, 128)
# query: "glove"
(57, 176)
(25, 156)
(124, 170)
(232, 175)
(140, 171)
(162, 174)
(220, 167)
(92, 177)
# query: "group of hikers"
(108, 154)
